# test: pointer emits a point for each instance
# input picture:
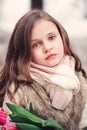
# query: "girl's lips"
(50, 56)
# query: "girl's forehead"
(42, 24)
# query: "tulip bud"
(9, 126)
(3, 116)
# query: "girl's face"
(46, 44)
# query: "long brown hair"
(18, 54)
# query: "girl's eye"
(52, 37)
(36, 44)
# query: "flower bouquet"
(4, 124)
(21, 119)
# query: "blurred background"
(72, 14)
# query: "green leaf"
(52, 123)
(31, 109)
(85, 128)
(17, 110)
(18, 119)
(23, 126)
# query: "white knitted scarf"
(62, 76)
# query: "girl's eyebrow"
(34, 40)
(51, 33)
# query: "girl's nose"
(47, 48)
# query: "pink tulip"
(9, 126)
(1, 109)
(3, 117)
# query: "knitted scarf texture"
(60, 82)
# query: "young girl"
(42, 69)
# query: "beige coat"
(70, 118)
